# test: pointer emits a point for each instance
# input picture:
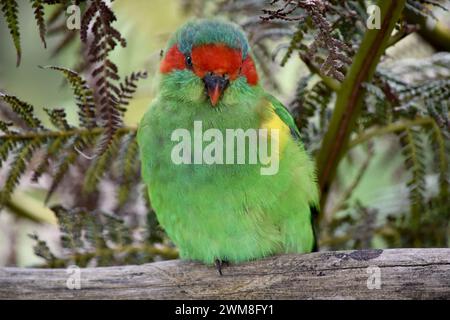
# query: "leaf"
(9, 9)
(39, 16)
(414, 160)
(101, 163)
(83, 95)
(42, 250)
(53, 147)
(18, 167)
(4, 126)
(128, 87)
(70, 223)
(440, 145)
(68, 157)
(105, 38)
(117, 231)
(7, 146)
(129, 166)
(23, 110)
(58, 118)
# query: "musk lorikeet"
(224, 212)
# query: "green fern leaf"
(70, 223)
(39, 16)
(117, 231)
(71, 154)
(23, 110)
(127, 164)
(83, 95)
(7, 146)
(58, 118)
(9, 9)
(42, 250)
(414, 159)
(18, 167)
(440, 143)
(128, 88)
(53, 147)
(98, 168)
(4, 126)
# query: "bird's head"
(205, 59)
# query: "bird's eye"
(189, 62)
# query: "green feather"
(225, 211)
(285, 116)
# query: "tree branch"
(390, 128)
(403, 274)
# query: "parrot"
(221, 213)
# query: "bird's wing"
(274, 115)
(144, 133)
(285, 116)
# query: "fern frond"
(414, 160)
(98, 238)
(105, 38)
(17, 168)
(101, 163)
(53, 147)
(117, 231)
(440, 145)
(128, 167)
(319, 14)
(83, 94)
(128, 87)
(39, 16)
(70, 223)
(42, 250)
(58, 118)
(6, 148)
(4, 126)
(9, 9)
(23, 110)
(295, 43)
(298, 103)
(379, 105)
(94, 229)
(68, 157)
(308, 103)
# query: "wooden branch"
(403, 274)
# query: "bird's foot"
(219, 264)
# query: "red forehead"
(216, 58)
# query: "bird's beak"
(215, 85)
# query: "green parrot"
(218, 212)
